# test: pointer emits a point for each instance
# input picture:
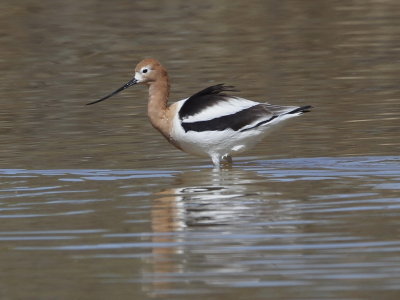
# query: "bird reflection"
(203, 198)
(200, 201)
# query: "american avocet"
(210, 122)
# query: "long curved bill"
(131, 82)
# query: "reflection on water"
(299, 242)
(308, 225)
(212, 201)
(217, 204)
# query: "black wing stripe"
(203, 99)
(234, 121)
(259, 124)
(302, 109)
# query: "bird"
(210, 123)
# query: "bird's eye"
(144, 71)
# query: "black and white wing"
(212, 109)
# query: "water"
(317, 227)
(94, 204)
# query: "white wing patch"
(220, 109)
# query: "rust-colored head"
(147, 71)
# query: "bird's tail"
(301, 109)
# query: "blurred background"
(342, 58)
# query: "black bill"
(128, 84)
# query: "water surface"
(316, 227)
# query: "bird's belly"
(223, 142)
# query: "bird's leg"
(216, 160)
(227, 159)
(224, 161)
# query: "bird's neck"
(157, 109)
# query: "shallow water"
(315, 227)
(94, 204)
